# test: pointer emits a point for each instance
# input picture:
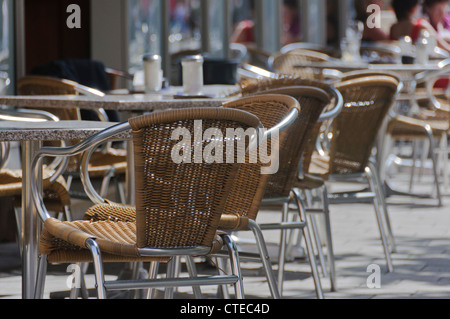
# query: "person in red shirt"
(244, 31)
(434, 21)
(406, 12)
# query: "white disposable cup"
(153, 75)
(192, 75)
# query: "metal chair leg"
(40, 282)
(434, 161)
(382, 199)
(413, 167)
(236, 268)
(190, 264)
(316, 234)
(330, 249)
(261, 244)
(18, 214)
(222, 264)
(282, 250)
(98, 266)
(67, 213)
(152, 274)
(171, 269)
(80, 282)
(318, 244)
(371, 179)
(309, 248)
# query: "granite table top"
(168, 99)
(53, 131)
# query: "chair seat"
(403, 126)
(64, 242)
(320, 165)
(309, 182)
(125, 213)
(56, 193)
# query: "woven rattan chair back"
(285, 63)
(352, 75)
(42, 85)
(258, 86)
(179, 203)
(251, 184)
(354, 131)
(301, 137)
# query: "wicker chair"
(354, 131)
(56, 194)
(115, 76)
(431, 122)
(178, 204)
(305, 46)
(243, 202)
(107, 163)
(285, 63)
(319, 104)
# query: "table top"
(347, 66)
(53, 131)
(167, 99)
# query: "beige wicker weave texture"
(251, 185)
(313, 96)
(355, 129)
(286, 63)
(178, 205)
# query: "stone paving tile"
(422, 260)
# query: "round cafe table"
(31, 135)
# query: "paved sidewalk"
(422, 260)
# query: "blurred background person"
(244, 30)
(407, 13)
(436, 13)
(291, 22)
(435, 21)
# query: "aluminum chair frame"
(371, 175)
(429, 79)
(300, 206)
(103, 286)
(303, 210)
(87, 146)
(376, 193)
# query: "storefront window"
(144, 30)
(184, 26)
(5, 44)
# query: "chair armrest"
(26, 115)
(338, 105)
(255, 71)
(60, 164)
(283, 125)
(85, 90)
(430, 78)
(121, 74)
(91, 142)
